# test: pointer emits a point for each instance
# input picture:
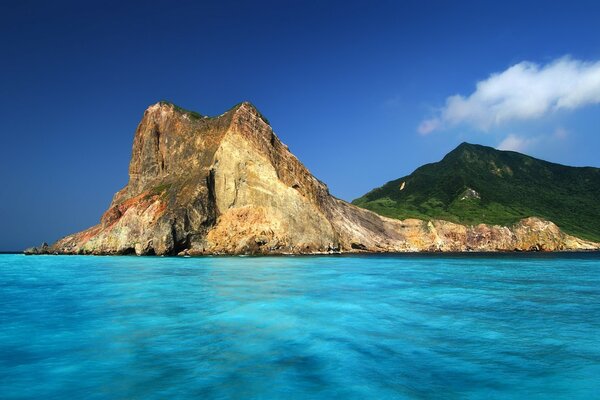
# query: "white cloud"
(429, 126)
(516, 143)
(524, 91)
(524, 144)
(560, 133)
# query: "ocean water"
(376, 327)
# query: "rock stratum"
(227, 185)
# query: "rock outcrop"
(228, 185)
(41, 249)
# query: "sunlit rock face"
(228, 185)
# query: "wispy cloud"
(524, 91)
(517, 143)
(525, 144)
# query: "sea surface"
(338, 327)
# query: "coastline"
(507, 253)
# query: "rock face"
(41, 249)
(228, 185)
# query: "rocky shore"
(227, 185)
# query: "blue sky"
(362, 92)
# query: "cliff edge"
(228, 185)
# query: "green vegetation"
(510, 186)
(191, 114)
(196, 116)
(159, 190)
(255, 109)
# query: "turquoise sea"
(337, 327)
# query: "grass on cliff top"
(191, 114)
(196, 116)
(511, 186)
(255, 109)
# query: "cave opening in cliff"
(128, 251)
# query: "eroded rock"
(228, 185)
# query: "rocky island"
(227, 185)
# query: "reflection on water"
(299, 327)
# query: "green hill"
(477, 184)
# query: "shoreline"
(345, 254)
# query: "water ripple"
(382, 327)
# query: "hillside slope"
(228, 185)
(477, 184)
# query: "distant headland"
(227, 185)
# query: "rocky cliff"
(228, 185)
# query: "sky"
(362, 92)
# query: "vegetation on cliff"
(228, 185)
(477, 184)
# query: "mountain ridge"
(510, 186)
(228, 185)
